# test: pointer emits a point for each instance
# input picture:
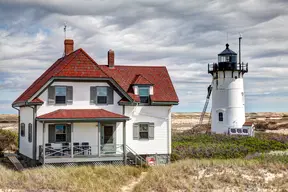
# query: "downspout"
(124, 139)
(169, 128)
(18, 127)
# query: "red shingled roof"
(140, 80)
(80, 64)
(157, 75)
(76, 64)
(81, 114)
(247, 123)
(37, 100)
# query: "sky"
(183, 35)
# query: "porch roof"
(81, 115)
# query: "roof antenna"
(65, 26)
(227, 37)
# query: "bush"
(8, 140)
(261, 126)
(224, 146)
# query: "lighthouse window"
(220, 116)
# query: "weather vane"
(65, 26)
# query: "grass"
(261, 172)
(82, 178)
(221, 175)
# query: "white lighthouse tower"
(228, 98)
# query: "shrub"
(8, 140)
(224, 146)
(261, 126)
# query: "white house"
(81, 111)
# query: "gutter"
(83, 120)
(18, 126)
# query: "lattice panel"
(96, 163)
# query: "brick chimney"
(68, 46)
(111, 58)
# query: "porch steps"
(15, 162)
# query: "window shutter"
(110, 95)
(51, 134)
(23, 129)
(51, 95)
(135, 131)
(30, 132)
(68, 134)
(69, 96)
(92, 95)
(151, 131)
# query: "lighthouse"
(228, 97)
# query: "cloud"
(183, 35)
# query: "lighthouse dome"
(227, 51)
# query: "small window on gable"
(144, 94)
(22, 131)
(220, 116)
(102, 95)
(60, 95)
(30, 132)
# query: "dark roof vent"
(227, 51)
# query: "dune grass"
(82, 178)
(219, 175)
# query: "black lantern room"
(227, 59)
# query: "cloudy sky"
(184, 35)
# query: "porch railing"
(108, 149)
(78, 151)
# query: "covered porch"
(82, 135)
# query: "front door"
(108, 139)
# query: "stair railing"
(136, 156)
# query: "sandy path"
(130, 186)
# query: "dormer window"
(144, 94)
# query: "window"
(22, 131)
(144, 94)
(220, 116)
(30, 132)
(60, 95)
(60, 131)
(143, 131)
(102, 94)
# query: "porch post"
(72, 139)
(43, 141)
(124, 143)
(99, 139)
